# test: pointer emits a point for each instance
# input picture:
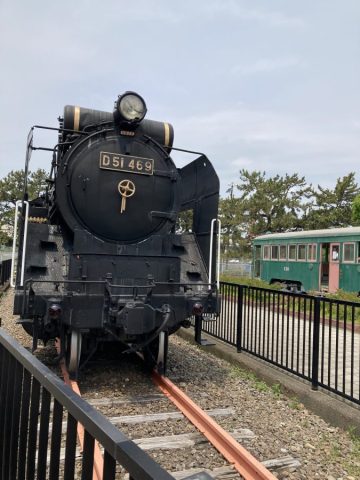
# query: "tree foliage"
(281, 204)
(333, 207)
(355, 210)
(11, 190)
(232, 224)
(272, 204)
(263, 205)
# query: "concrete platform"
(335, 410)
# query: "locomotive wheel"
(155, 353)
(73, 351)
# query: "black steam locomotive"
(100, 255)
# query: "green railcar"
(320, 260)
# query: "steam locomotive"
(100, 255)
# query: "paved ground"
(330, 407)
(287, 341)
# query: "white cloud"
(271, 141)
(254, 126)
(190, 57)
(268, 65)
(234, 8)
(241, 162)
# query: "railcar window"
(274, 252)
(292, 252)
(312, 252)
(266, 252)
(301, 253)
(349, 252)
(335, 253)
(282, 252)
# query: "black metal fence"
(5, 269)
(34, 443)
(315, 338)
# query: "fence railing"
(33, 441)
(5, 270)
(315, 338)
(236, 268)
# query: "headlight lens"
(131, 107)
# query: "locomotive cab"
(102, 260)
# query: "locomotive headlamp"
(130, 108)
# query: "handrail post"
(315, 345)
(12, 281)
(211, 250)
(217, 256)
(240, 301)
(26, 221)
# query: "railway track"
(290, 440)
(237, 463)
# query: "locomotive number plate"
(126, 163)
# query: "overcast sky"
(269, 85)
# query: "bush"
(249, 282)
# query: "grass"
(261, 386)
(295, 403)
(345, 296)
(351, 463)
(276, 389)
(256, 282)
(250, 282)
(255, 381)
(328, 309)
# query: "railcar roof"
(328, 232)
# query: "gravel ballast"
(282, 426)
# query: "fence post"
(239, 318)
(5, 269)
(315, 345)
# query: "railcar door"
(257, 261)
(334, 268)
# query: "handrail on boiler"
(17, 205)
(213, 221)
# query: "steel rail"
(243, 461)
(98, 458)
